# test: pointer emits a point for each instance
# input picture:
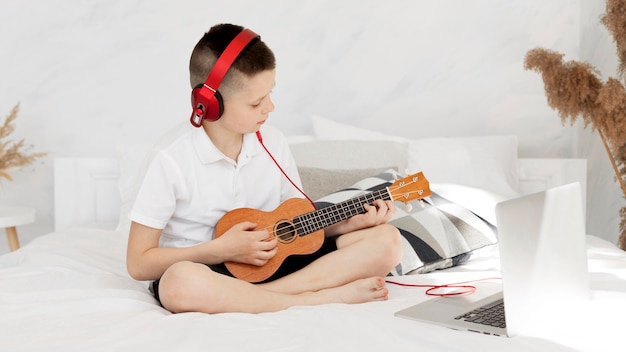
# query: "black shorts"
(291, 264)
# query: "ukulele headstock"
(410, 188)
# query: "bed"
(69, 290)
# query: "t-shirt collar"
(208, 153)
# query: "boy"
(198, 174)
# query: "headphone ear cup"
(218, 104)
(207, 105)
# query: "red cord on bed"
(464, 289)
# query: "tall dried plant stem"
(613, 163)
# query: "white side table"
(12, 216)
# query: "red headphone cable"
(260, 138)
(463, 287)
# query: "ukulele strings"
(348, 206)
(298, 229)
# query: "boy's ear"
(206, 101)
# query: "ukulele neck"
(322, 218)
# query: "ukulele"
(300, 227)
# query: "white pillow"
(479, 201)
(299, 138)
(326, 129)
(488, 163)
(350, 154)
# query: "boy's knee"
(174, 287)
(387, 241)
(393, 243)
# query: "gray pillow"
(318, 182)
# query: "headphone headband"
(227, 58)
(206, 100)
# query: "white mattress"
(69, 291)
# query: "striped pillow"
(438, 235)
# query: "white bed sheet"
(69, 291)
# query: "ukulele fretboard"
(330, 215)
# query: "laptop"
(543, 261)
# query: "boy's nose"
(269, 106)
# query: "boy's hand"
(241, 243)
(379, 212)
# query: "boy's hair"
(253, 59)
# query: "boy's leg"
(193, 287)
(351, 274)
(361, 254)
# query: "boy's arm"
(145, 260)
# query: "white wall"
(93, 74)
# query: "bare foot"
(359, 291)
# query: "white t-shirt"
(189, 184)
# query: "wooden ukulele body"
(278, 223)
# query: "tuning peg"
(422, 203)
(407, 172)
(408, 207)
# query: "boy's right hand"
(242, 244)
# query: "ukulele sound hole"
(286, 232)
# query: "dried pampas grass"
(575, 89)
(13, 155)
(615, 21)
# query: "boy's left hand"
(379, 212)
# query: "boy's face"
(248, 108)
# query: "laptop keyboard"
(492, 315)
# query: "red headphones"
(206, 101)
